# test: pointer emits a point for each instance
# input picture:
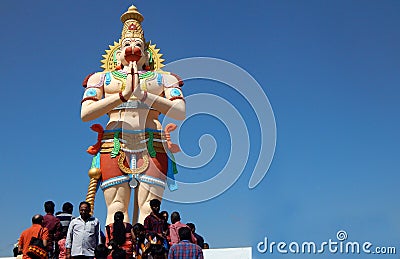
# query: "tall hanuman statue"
(133, 151)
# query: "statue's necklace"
(121, 76)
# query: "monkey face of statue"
(133, 49)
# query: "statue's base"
(228, 253)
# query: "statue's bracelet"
(144, 96)
(122, 97)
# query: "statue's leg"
(151, 184)
(117, 194)
(117, 199)
(146, 193)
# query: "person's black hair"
(138, 227)
(155, 202)
(164, 212)
(49, 207)
(184, 233)
(37, 219)
(15, 251)
(157, 251)
(191, 226)
(101, 251)
(68, 207)
(118, 254)
(119, 232)
(138, 231)
(85, 202)
(175, 217)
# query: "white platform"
(219, 253)
(228, 253)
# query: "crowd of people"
(65, 236)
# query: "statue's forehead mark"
(132, 27)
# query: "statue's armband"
(172, 87)
(94, 87)
(173, 93)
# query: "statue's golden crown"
(132, 20)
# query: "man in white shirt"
(83, 234)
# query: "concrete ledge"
(218, 253)
(228, 253)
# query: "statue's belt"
(133, 147)
(145, 144)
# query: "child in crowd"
(61, 244)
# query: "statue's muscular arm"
(174, 108)
(92, 109)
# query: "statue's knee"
(118, 206)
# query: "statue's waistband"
(127, 178)
(133, 141)
(132, 131)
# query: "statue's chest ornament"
(149, 81)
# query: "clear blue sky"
(330, 69)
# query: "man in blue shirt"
(83, 234)
(185, 249)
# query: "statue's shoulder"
(95, 79)
(170, 79)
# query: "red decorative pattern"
(122, 97)
(177, 97)
(85, 81)
(92, 98)
(132, 27)
(174, 148)
(93, 150)
(180, 82)
(35, 251)
(144, 96)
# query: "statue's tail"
(91, 194)
(94, 171)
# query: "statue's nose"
(128, 51)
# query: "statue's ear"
(117, 56)
(146, 59)
(116, 59)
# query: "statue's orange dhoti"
(133, 151)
